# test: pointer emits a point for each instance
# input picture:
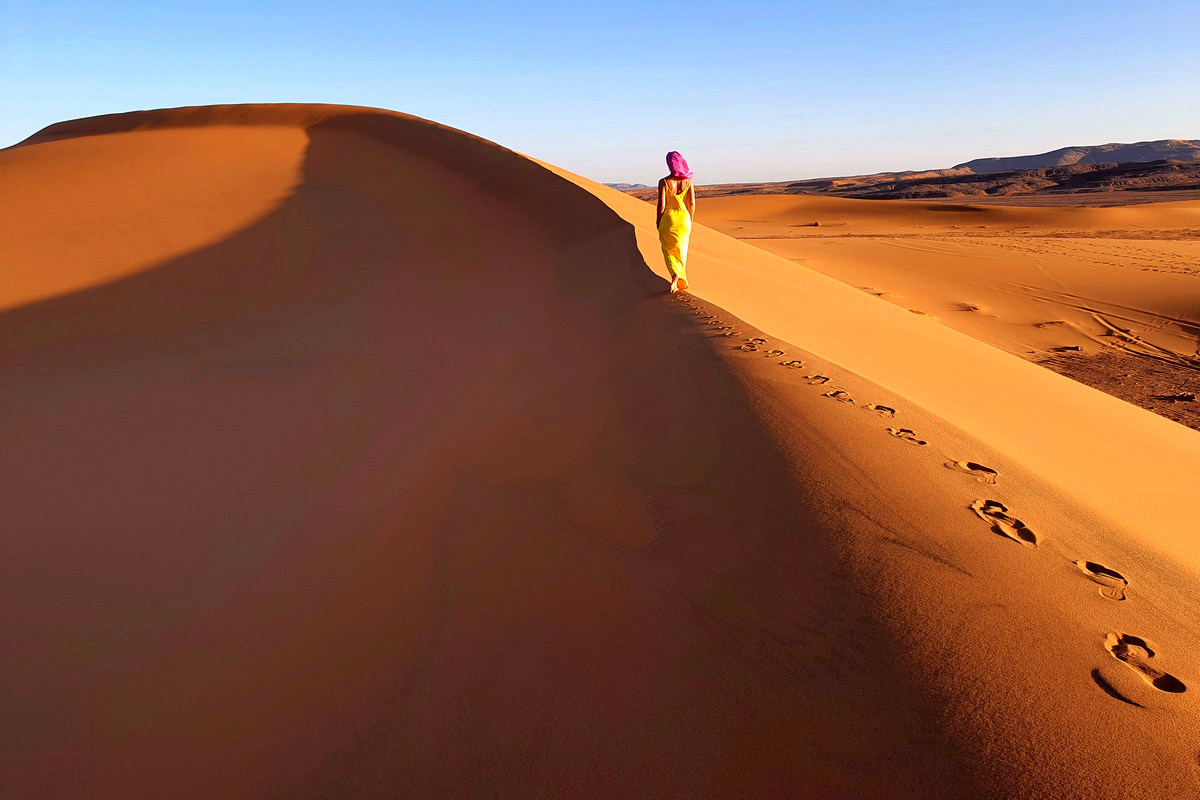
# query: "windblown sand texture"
(347, 455)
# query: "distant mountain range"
(1145, 167)
(1161, 150)
(627, 187)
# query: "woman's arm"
(690, 200)
(662, 200)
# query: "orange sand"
(1021, 278)
(371, 459)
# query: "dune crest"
(418, 482)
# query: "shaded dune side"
(412, 486)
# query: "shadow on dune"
(360, 499)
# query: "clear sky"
(747, 91)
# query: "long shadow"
(1111, 690)
(180, 438)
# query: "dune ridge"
(419, 483)
(1042, 419)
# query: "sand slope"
(410, 481)
(1106, 287)
(1011, 270)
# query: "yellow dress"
(674, 230)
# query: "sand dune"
(1110, 294)
(397, 473)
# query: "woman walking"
(676, 209)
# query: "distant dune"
(350, 455)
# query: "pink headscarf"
(677, 165)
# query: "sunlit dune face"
(82, 212)
(1105, 295)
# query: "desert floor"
(1106, 295)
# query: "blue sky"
(747, 91)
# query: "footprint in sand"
(884, 411)
(730, 332)
(1112, 583)
(841, 395)
(997, 514)
(907, 435)
(793, 364)
(984, 474)
(749, 348)
(817, 379)
(757, 340)
(773, 353)
(1136, 654)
